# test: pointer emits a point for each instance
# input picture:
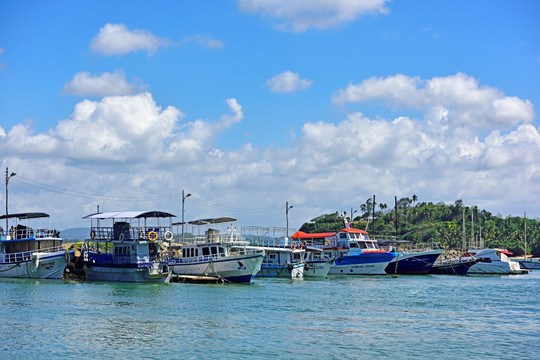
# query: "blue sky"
(248, 104)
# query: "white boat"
(354, 252)
(316, 265)
(27, 251)
(492, 261)
(217, 254)
(281, 261)
(124, 246)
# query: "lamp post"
(287, 208)
(183, 200)
(7, 182)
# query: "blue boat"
(413, 263)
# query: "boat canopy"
(303, 235)
(21, 216)
(129, 215)
(353, 230)
(218, 220)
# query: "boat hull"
(291, 271)
(134, 274)
(362, 264)
(238, 268)
(530, 265)
(456, 268)
(37, 266)
(413, 263)
(317, 269)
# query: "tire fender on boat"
(152, 236)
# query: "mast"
(464, 241)
(472, 228)
(525, 230)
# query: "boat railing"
(213, 238)
(153, 233)
(27, 255)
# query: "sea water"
(346, 317)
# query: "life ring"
(305, 243)
(141, 235)
(299, 246)
(327, 243)
(92, 234)
(169, 235)
(152, 236)
(293, 247)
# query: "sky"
(251, 105)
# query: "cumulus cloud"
(116, 39)
(288, 82)
(459, 99)
(105, 84)
(301, 15)
(204, 40)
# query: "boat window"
(184, 253)
(214, 250)
(343, 235)
(354, 245)
(205, 251)
(363, 245)
(221, 250)
(196, 251)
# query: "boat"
(530, 264)
(316, 265)
(493, 261)
(124, 246)
(410, 261)
(216, 253)
(30, 251)
(282, 262)
(453, 266)
(354, 252)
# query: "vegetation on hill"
(454, 226)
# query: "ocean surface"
(408, 317)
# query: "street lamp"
(7, 182)
(183, 200)
(287, 208)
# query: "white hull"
(359, 269)
(317, 269)
(126, 274)
(295, 271)
(494, 267)
(39, 266)
(237, 268)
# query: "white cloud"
(116, 39)
(204, 40)
(106, 84)
(459, 98)
(129, 146)
(301, 15)
(288, 82)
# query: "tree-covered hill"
(454, 226)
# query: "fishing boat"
(316, 265)
(215, 253)
(124, 246)
(28, 250)
(354, 252)
(493, 261)
(409, 261)
(453, 266)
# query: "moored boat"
(124, 246)
(530, 264)
(354, 252)
(410, 261)
(215, 253)
(493, 261)
(27, 251)
(452, 266)
(282, 262)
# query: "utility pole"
(7, 182)
(287, 208)
(183, 200)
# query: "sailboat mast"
(525, 230)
